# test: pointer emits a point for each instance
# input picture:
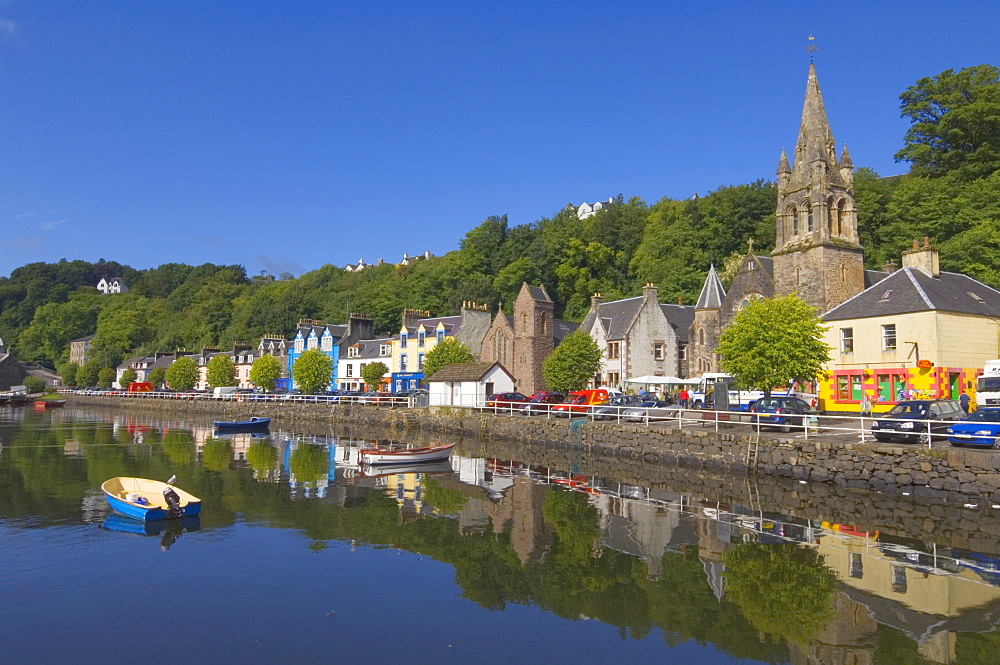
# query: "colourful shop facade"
(842, 390)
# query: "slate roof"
(370, 349)
(912, 290)
(680, 318)
(451, 323)
(615, 317)
(539, 293)
(712, 293)
(562, 328)
(457, 372)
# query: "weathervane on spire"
(812, 48)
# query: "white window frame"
(889, 337)
(847, 340)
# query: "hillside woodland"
(950, 194)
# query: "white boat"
(384, 456)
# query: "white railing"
(371, 400)
(798, 426)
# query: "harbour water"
(299, 555)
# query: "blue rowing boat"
(252, 424)
(147, 500)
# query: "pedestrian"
(866, 405)
(964, 400)
(683, 396)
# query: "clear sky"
(284, 135)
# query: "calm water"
(297, 557)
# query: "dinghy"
(145, 499)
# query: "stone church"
(817, 253)
(522, 340)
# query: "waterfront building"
(110, 285)
(639, 336)
(355, 357)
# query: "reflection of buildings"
(521, 507)
(640, 528)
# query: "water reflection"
(755, 582)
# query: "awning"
(662, 380)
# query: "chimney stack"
(926, 258)
(596, 300)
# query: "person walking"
(866, 405)
(963, 401)
(683, 396)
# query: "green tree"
(772, 342)
(220, 371)
(67, 373)
(265, 372)
(34, 385)
(183, 373)
(784, 590)
(128, 376)
(446, 352)
(86, 376)
(105, 377)
(157, 376)
(574, 362)
(955, 120)
(311, 371)
(372, 374)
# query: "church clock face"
(750, 298)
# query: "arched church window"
(793, 211)
(832, 212)
(809, 217)
(798, 276)
(843, 272)
(840, 217)
(701, 335)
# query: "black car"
(916, 420)
(781, 412)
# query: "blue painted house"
(312, 334)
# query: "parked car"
(505, 401)
(541, 402)
(979, 428)
(615, 405)
(917, 420)
(781, 412)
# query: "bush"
(34, 384)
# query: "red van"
(580, 401)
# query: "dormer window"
(420, 338)
(440, 335)
(327, 343)
(384, 350)
(403, 338)
(353, 352)
(299, 344)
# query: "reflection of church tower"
(704, 336)
(816, 251)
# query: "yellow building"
(919, 333)
(420, 333)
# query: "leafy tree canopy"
(373, 373)
(955, 120)
(574, 362)
(265, 372)
(105, 377)
(86, 376)
(67, 373)
(447, 352)
(157, 376)
(220, 371)
(772, 342)
(311, 371)
(128, 376)
(182, 373)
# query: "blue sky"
(287, 135)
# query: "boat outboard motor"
(174, 508)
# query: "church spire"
(815, 138)
(783, 166)
(712, 293)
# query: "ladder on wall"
(752, 453)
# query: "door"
(953, 385)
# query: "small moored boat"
(253, 423)
(380, 455)
(381, 470)
(147, 500)
(49, 403)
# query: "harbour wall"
(941, 473)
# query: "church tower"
(704, 335)
(817, 253)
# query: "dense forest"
(950, 194)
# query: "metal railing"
(370, 400)
(804, 426)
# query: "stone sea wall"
(942, 473)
